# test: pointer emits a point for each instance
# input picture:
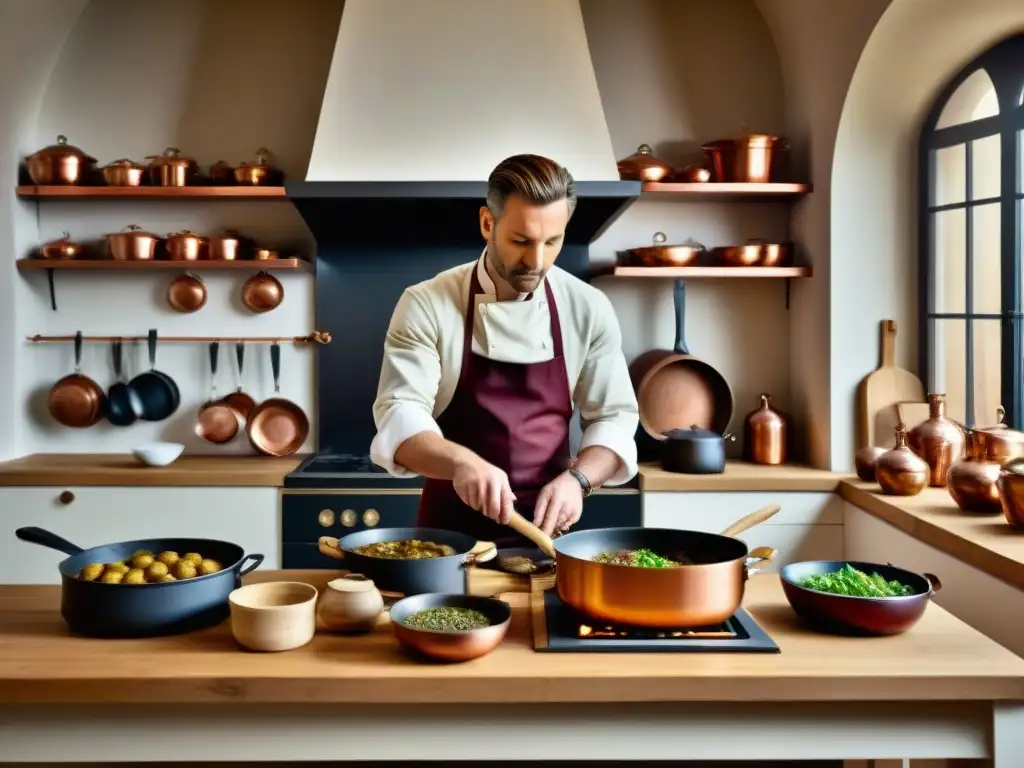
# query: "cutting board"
(881, 390)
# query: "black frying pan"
(144, 610)
(157, 391)
(124, 406)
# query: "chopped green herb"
(853, 583)
(448, 619)
(638, 558)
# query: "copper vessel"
(171, 169)
(259, 173)
(1011, 492)
(132, 244)
(124, 173)
(747, 159)
(643, 166)
(662, 255)
(77, 400)
(186, 246)
(901, 472)
(999, 443)
(62, 249)
(692, 174)
(60, 163)
(262, 292)
(755, 253)
(776, 254)
(939, 441)
(451, 646)
(865, 461)
(765, 434)
(277, 426)
(240, 401)
(217, 422)
(226, 247)
(265, 254)
(972, 481)
(186, 293)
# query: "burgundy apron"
(513, 415)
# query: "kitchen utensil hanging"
(242, 403)
(277, 427)
(186, 293)
(158, 392)
(124, 406)
(76, 400)
(262, 292)
(217, 422)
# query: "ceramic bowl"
(158, 454)
(843, 614)
(451, 646)
(274, 615)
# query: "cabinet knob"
(326, 518)
(348, 518)
(66, 497)
(371, 517)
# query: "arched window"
(972, 195)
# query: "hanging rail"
(316, 337)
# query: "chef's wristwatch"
(582, 480)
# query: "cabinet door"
(91, 516)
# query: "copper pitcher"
(939, 441)
(765, 434)
(973, 481)
(901, 472)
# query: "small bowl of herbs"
(450, 627)
(857, 598)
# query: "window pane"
(975, 99)
(987, 277)
(950, 261)
(985, 169)
(988, 370)
(950, 345)
(950, 175)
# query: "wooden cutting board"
(881, 390)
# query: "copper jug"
(901, 472)
(939, 441)
(972, 481)
(765, 434)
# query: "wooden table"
(940, 691)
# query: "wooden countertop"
(81, 469)
(741, 476)
(939, 659)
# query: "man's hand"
(559, 504)
(484, 487)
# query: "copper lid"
(124, 162)
(170, 156)
(135, 229)
(63, 149)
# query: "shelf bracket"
(53, 291)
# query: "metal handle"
(151, 343)
(679, 299)
(44, 538)
(78, 352)
(275, 365)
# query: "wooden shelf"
(144, 193)
(109, 265)
(688, 273)
(722, 191)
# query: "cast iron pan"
(157, 391)
(124, 406)
(144, 610)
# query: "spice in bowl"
(447, 618)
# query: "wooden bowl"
(451, 646)
(843, 614)
(273, 615)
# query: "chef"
(484, 363)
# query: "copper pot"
(123, 173)
(186, 293)
(60, 163)
(62, 249)
(901, 472)
(747, 159)
(171, 169)
(226, 247)
(692, 174)
(132, 244)
(865, 461)
(765, 434)
(756, 252)
(1011, 492)
(998, 443)
(661, 255)
(76, 400)
(939, 441)
(972, 481)
(186, 246)
(262, 292)
(643, 166)
(776, 254)
(259, 173)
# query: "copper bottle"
(901, 472)
(972, 481)
(938, 441)
(765, 434)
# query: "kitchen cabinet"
(808, 527)
(93, 515)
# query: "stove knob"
(371, 517)
(349, 518)
(326, 517)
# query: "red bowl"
(843, 614)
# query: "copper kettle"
(765, 434)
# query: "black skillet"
(124, 406)
(157, 391)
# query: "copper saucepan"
(239, 400)
(217, 422)
(662, 255)
(277, 427)
(76, 400)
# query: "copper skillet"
(76, 400)
(217, 422)
(240, 401)
(277, 427)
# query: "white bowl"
(158, 454)
(273, 615)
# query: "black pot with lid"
(694, 451)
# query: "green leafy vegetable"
(853, 583)
(448, 619)
(638, 558)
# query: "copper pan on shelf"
(277, 427)
(662, 255)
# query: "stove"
(568, 631)
(345, 470)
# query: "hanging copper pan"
(217, 422)
(186, 293)
(262, 292)
(239, 400)
(76, 400)
(278, 427)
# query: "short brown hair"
(538, 180)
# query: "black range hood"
(344, 214)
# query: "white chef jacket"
(423, 358)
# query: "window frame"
(1004, 64)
